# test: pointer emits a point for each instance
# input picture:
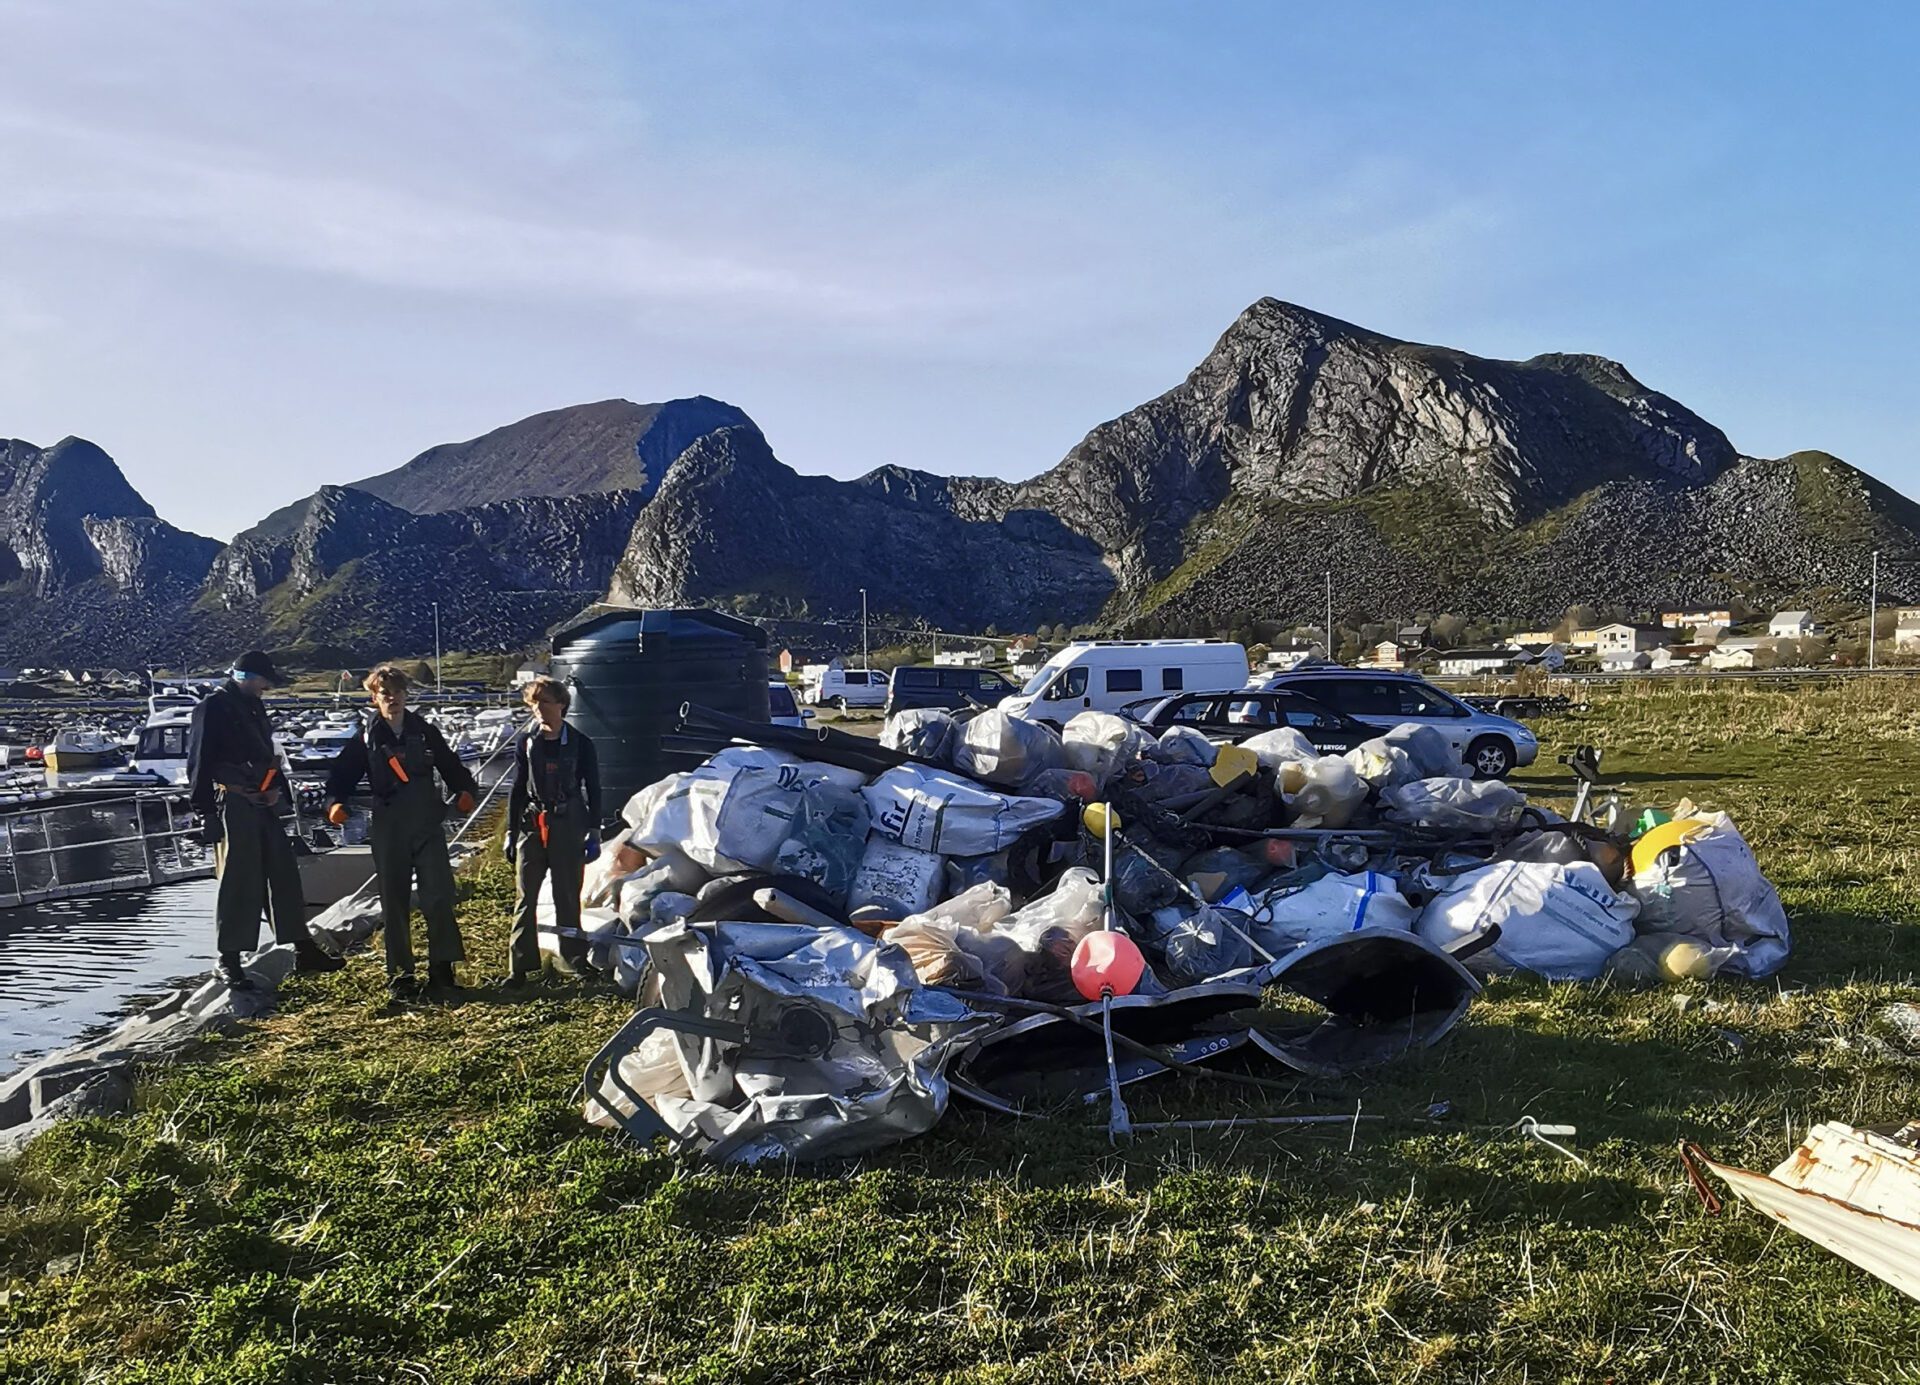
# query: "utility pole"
(1330, 645)
(436, 649)
(1873, 608)
(863, 629)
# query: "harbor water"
(70, 965)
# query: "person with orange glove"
(398, 753)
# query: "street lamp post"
(436, 649)
(1873, 608)
(863, 628)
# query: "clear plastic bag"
(1280, 747)
(1380, 765)
(1048, 930)
(1102, 744)
(1456, 805)
(1199, 946)
(1182, 745)
(1428, 749)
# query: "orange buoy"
(1106, 964)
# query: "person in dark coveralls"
(235, 784)
(398, 753)
(553, 824)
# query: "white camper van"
(1105, 675)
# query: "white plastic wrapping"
(1182, 745)
(1431, 753)
(1102, 744)
(929, 733)
(1047, 931)
(1329, 794)
(1282, 746)
(1560, 921)
(1456, 805)
(1381, 765)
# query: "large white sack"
(736, 812)
(1102, 744)
(1285, 918)
(1559, 921)
(1284, 745)
(930, 811)
(1456, 805)
(1710, 887)
(1432, 754)
(1006, 750)
(1330, 793)
(757, 757)
(895, 878)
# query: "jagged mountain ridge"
(1426, 478)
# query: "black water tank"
(630, 671)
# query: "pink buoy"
(1106, 964)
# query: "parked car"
(1106, 675)
(1492, 746)
(783, 710)
(849, 687)
(947, 687)
(1237, 715)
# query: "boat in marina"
(159, 757)
(80, 748)
(322, 745)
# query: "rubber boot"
(309, 957)
(440, 976)
(233, 973)
(402, 986)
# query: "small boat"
(159, 754)
(321, 746)
(76, 748)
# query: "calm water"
(69, 965)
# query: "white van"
(846, 687)
(1105, 675)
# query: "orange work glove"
(465, 802)
(337, 814)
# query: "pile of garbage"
(831, 937)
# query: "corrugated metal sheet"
(1855, 1192)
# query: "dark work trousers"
(409, 843)
(563, 857)
(257, 872)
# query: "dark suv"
(1235, 716)
(950, 688)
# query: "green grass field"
(347, 1193)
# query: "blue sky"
(253, 248)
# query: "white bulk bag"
(1560, 921)
(931, 811)
(1285, 918)
(1102, 744)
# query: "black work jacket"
(419, 748)
(230, 742)
(575, 782)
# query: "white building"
(960, 658)
(1701, 621)
(1906, 634)
(1792, 625)
(1291, 654)
(1386, 654)
(1468, 663)
(1611, 641)
(1626, 661)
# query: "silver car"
(1492, 746)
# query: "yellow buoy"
(1096, 816)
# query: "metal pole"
(436, 649)
(1873, 608)
(1330, 646)
(863, 629)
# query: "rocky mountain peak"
(612, 445)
